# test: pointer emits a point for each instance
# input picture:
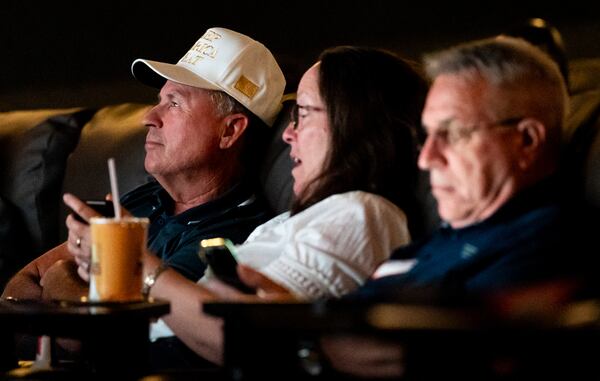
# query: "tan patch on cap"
(246, 87)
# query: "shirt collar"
(240, 194)
(541, 193)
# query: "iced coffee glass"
(116, 267)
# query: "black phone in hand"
(103, 207)
(219, 255)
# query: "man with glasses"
(493, 119)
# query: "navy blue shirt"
(175, 239)
(533, 237)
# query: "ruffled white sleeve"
(330, 248)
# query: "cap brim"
(155, 74)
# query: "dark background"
(59, 54)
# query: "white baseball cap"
(228, 61)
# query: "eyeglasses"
(295, 113)
(449, 135)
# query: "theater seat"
(591, 169)
(582, 131)
(275, 173)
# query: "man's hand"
(26, 284)
(79, 239)
(364, 356)
(61, 282)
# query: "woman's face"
(309, 137)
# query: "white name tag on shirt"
(393, 267)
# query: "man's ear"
(533, 140)
(235, 125)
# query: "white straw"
(114, 188)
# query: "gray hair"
(226, 104)
(500, 60)
(507, 62)
(255, 136)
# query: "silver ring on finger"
(78, 242)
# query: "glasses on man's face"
(451, 133)
(299, 111)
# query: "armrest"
(266, 339)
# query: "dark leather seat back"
(275, 174)
(113, 131)
(582, 131)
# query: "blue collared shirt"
(532, 238)
(175, 239)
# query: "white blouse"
(329, 249)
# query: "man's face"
(183, 132)
(471, 156)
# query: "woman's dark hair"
(374, 101)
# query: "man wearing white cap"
(202, 143)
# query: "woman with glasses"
(352, 137)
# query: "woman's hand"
(266, 289)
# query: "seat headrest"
(275, 173)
